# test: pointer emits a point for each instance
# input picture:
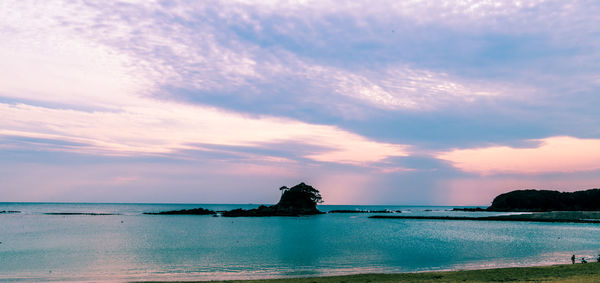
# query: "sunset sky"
(371, 102)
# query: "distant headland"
(545, 200)
(538, 205)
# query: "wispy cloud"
(404, 88)
(91, 48)
(164, 127)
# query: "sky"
(371, 102)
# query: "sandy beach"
(589, 272)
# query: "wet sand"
(589, 272)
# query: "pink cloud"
(164, 128)
(249, 169)
(554, 154)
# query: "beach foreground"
(589, 272)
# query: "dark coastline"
(546, 200)
(550, 217)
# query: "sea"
(131, 246)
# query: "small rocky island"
(298, 200)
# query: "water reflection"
(131, 246)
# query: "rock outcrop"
(193, 211)
(298, 200)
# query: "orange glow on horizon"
(554, 154)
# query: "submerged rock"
(298, 200)
(193, 211)
(80, 213)
(364, 211)
(468, 209)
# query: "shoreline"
(591, 217)
(488, 218)
(579, 272)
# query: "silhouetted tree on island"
(300, 199)
(283, 189)
(300, 196)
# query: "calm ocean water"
(131, 246)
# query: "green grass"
(589, 272)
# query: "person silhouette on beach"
(598, 258)
(573, 259)
(583, 260)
